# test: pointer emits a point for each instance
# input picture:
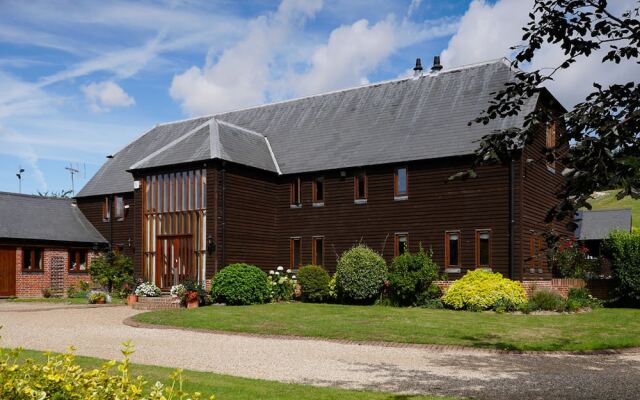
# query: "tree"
(603, 131)
(112, 270)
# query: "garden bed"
(603, 328)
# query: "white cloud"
(241, 74)
(102, 96)
(487, 31)
(415, 4)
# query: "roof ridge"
(503, 60)
(168, 145)
(35, 196)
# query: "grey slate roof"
(42, 218)
(395, 121)
(596, 225)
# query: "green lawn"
(62, 300)
(608, 200)
(600, 329)
(227, 387)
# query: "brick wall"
(31, 284)
(561, 286)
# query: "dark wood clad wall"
(123, 231)
(249, 216)
(540, 184)
(433, 207)
(137, 221)
(212, 219)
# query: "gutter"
(511, 219)
(224, 216)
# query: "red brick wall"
(31, 284)
(560, 286)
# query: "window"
(535, 253)
(31, 259)
(452, 248)
(118, 208)
(400, 184)
(317, 256)
(360, 187)
(295, 193)
(106, 210)
(318, 191)
(401, 245)
(77, 260)
(551, 141)
(483, 247)
(295, 250)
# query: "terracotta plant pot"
(192, 300)
(132, 299)
(101, 301)
(193, 304)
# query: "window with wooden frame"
(360, 187)
(483, 247)
(106, 210)
(118, 208)
(401, 244)
(452, 249)
(318, 191)
(294, 198)
(536, 253)
(77, 261)
(295, 251)
(32, 259)
(552, 128)
(317, 253)
(401, 184)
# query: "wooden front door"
(7, 271)
(174, 261)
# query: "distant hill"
(605, 200)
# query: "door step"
(156, 303)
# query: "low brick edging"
(562, 286)
(434, 347)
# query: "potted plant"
(97, 297)
(192, 299)
(148, 289)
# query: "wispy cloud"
(102, 96)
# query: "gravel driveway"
(99, 331)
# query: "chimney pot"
(436, 64)
(417, 70)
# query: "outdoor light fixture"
(211, 245)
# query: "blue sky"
(79, 80)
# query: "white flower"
(288, 271)
(280, 268)
(293, 277)
(271, 272)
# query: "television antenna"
(19, 175)
(72, 171)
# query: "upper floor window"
(295, 200)
(77, 260)
(118, 208)
(32, 259)
(360, 187)
(401, 244)
(483, 247)
(400, 184)
(452, 248)
(318, 191)
(551, 133)
(179, 191)
(317, 254)
(106, 210)
(536, 254)
(295, 250)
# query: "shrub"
(282, 284)
(482, 290)
(546, 300)
(570, 261)
(47, 293)
(148, 289)
(240, 284)
(582, 298)
(360, 275)
(314, 281)
(333, 290)
(111, 270)
(60, 377)
(624, 251)
(410, 275)
(432, 293)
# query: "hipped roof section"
(389, 122)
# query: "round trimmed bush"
(410, 275)
(240, 284)
(314, 281)
(483, 290)
(360, 275)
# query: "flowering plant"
(178, 290)
(148, 289)
(282, 284)
(571, 260)
(98, 296)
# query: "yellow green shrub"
(483, 290)
(60, 377)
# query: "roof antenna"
(19, 175)
(436, 67)
(417, 70)
(72, 171)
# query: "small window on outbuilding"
(360, 187)
(77, 260)
(32, 259)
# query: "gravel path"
(99, 331)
